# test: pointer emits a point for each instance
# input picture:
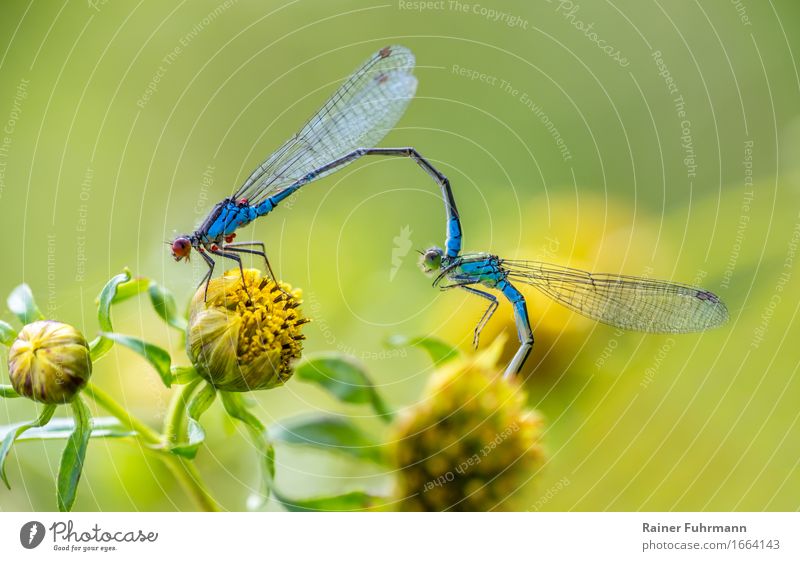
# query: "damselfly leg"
(207, 278)
(238, 260)
(487, 315)
(242, 247)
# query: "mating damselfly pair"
(350, 125)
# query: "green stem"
(190, 477)
(182, 469)
(176, 414)
(109, 404)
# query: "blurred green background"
(96, 174)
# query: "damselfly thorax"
(472, 268)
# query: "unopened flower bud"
(245, 336)
(49, 362)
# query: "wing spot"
(707, 296)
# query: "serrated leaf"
(353, 501)
(69, 472)
(7, 391)
(155, 355)
(195, 434)
(235, 405)
(345, 378)
(7, 334)
(62, 427)
(100, 346)
(22, 305)
(164, 304)
(333, 434)
(5, 447)
(439, 351)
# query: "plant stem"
(182, 469)
(176, 413)
(109, 404)
(187, 473)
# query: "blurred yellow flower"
(245, 339)
(471, 443)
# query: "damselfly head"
(431, 260)
(181, 248)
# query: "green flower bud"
(243, 340)
(49, 362)
(470, 444)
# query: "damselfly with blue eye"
(633, 303)
(358, 115)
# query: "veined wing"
(359, 114)
(634, 303)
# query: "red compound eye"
(181, 248)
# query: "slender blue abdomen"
(509, 291)
(517, 301)
(273, 201)
(524, 332)
(453, 242)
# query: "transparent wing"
(361, 112)
(634, 303)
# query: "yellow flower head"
(246, 336)
(471, 443)
(49, 362)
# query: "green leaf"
(155, 355)
(164, 304)
(7, 391)
(345, 378)
(5, 447)
(439, 351)
(236, 407)
(7, 334)
(183, 374)
(69, 473)
(195, 434)
(62, 427)
(130, 288)
(333, 434)
(101, 345)
(355, 500)
(22, 305)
